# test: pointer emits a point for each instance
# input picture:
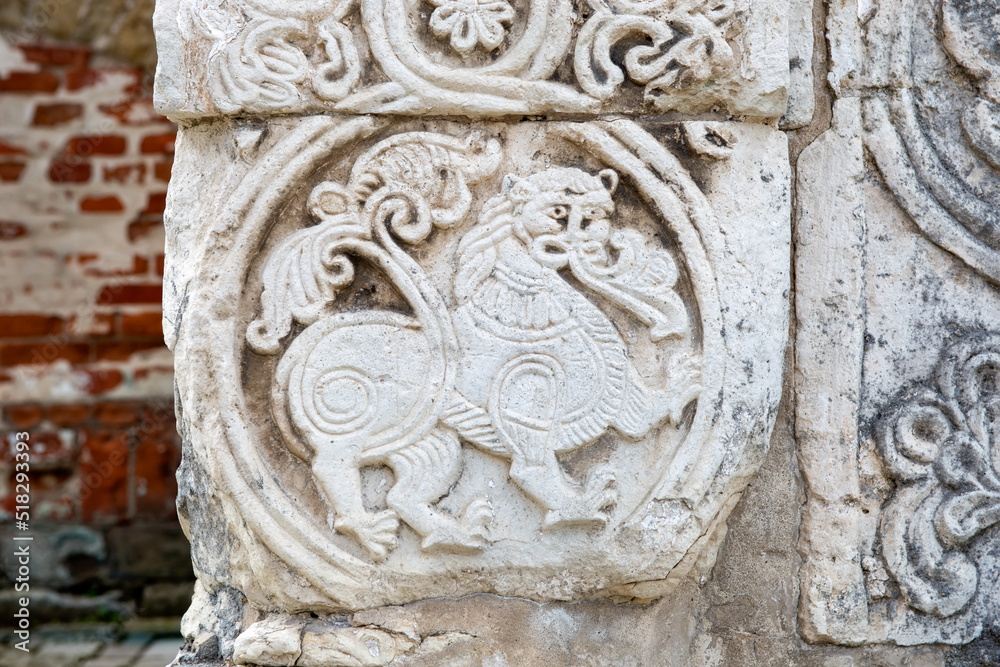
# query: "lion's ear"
(609, 179)
(509, 181)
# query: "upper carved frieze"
(470, 57)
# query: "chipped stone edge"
(829, 305)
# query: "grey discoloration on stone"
(898, 553)
(213, 622)
(830, 339)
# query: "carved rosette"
(418, 360)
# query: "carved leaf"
(974, 505)
(262, 67)
(408, 183)
(686, 45)
(642, 281)
(335, 78)
(302, 277)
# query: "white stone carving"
(528, 368)
(497, 359)
(258, 61)
(473, 57)
(938, 444)
(468, 24)
(688, 45)
(898, 267)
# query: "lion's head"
(554, 213)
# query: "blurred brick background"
(84, 166)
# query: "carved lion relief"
(489, 360)
(473, 57)
(525, 368)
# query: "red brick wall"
(84, 165)
(96, 463)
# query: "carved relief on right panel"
(900, 538)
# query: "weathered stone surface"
(897, 348)
(650, 467)
(465, 361)
(476, 58)
(801, 82)
(423, 359)
(419, 359)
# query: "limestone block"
(480, 58)
(801, 82)
(897, 354)
(422, 353)
(419, 359)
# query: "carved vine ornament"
(940, 444)
(479, 55)
(525, 367)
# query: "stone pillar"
(479, 299)
(898, 348)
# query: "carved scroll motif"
(688, 44)
(263, 58)
(940, 444)
(288, 57)
(948, 182)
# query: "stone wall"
(821, 175)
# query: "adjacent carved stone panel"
(896, 435)
(472, 57)
(937, 442)
(424, 359)
(935, 138)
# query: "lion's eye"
(558, 212)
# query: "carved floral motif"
(288, 57)
(688, 44)
(940, 443)
(262, 59)
(467, 24)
